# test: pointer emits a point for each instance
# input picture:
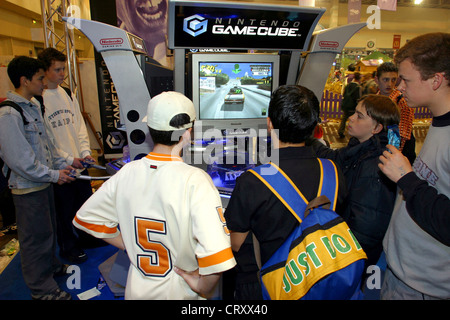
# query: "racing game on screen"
(234, 90)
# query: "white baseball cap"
(166, 105)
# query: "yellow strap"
(293, 185)
(277, 194)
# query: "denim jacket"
(26, 149)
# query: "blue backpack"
(321, 259)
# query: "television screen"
(234, 89)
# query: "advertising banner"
(147, 20)
(113, 138)
(354, 11)
(389, 5)
(202, 25)
(396, 41)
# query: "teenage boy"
(371, 195)
(417, 242)
(386, 79)
(31, 162)
(66, 125)
(169, 213)
(293, 115)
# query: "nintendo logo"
(111, 41)
(328, 44)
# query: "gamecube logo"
(195, 25)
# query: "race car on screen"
(235, 95)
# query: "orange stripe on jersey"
(95, 227)
(162, 157)
(216, 258)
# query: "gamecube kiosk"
(260, 48)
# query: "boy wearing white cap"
(169, 213)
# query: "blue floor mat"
(13, 287)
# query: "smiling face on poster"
(146, 19)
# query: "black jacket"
(352, 93)
(371, 195)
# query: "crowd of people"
(168, 215)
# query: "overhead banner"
(396, 41)
(389, 5)
(354, 11)
(147, 20)
(307, 3)
(241, 26)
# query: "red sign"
(396, 43)
(329, 44)
(111, 41)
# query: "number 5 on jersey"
(156, 262)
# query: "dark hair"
(294, 112)
(48, 55)
(357, 76)
(381, 109)
(386, 67)
(170, 138)
(429, 53)
(23, 66)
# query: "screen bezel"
(231, 124)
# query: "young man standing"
(66, 126)
(417, 242)
(371, 195)
(386, 79)
(169, 213)
(30, 158)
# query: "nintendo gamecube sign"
(195, 25)
(217, 25)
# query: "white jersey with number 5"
(169, 214)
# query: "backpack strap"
(41, 101)
(19, 109)
(15, 106)
(329, 182)
(68, 91)
(288, 193)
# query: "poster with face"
(146, 19)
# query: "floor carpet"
(92, 272)
(13, 287)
